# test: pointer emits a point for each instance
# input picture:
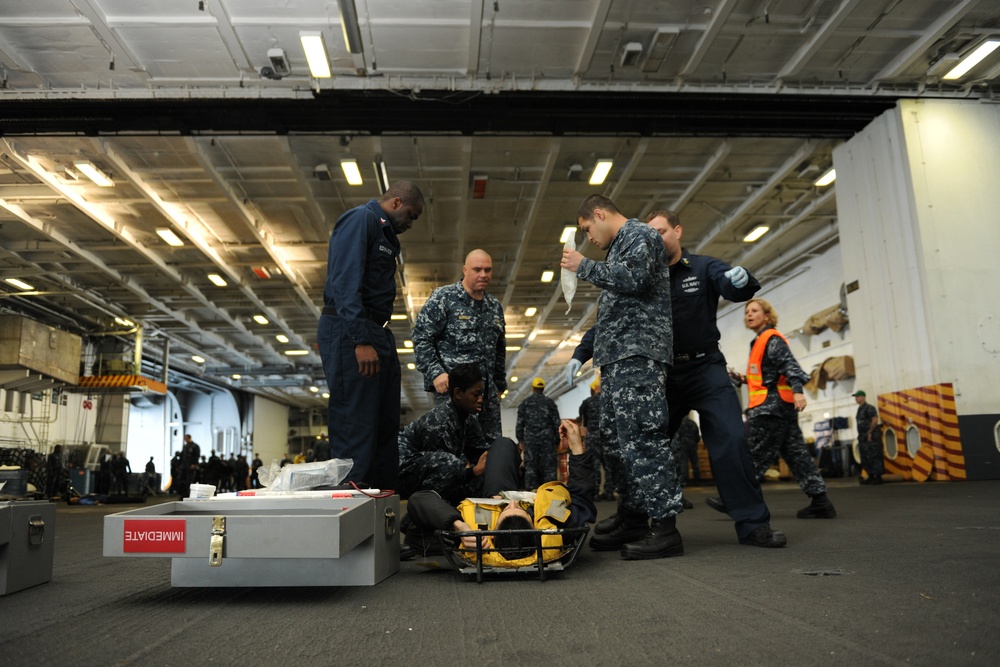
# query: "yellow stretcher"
(546, 559)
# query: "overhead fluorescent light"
(351, 172)
(315, 50)
(260, 319)
(381, 174)
(547, 276)
(404, 350)
(829, 177)
(516, 335)
(95, 174)
(349, 24)
(314, 390)
(514, 378)
(512, 348)
(399, 316)
(601, 170)
(530, 311)
(198, 360)
(973, 59)
(296, 353)
(325, 394)
(281, 338)
(124, 322)
(411, 366)
(756, 233)
(567, 234)
(217, 280)
(236, 376)
(169, 237)
(19, 284)
(408, 343)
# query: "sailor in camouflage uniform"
(633, 347)
(537, 434)
(444, 450)
(775, 382)
(590, 421)
(462, 323)
(869, 439)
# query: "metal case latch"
(218, 539)
(36, 530)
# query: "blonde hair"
(770, 314)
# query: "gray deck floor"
(907, 574)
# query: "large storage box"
(15, 482)
(27, 544)
(264, 540)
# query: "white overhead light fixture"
(512, 348)
(381, 174)
(217, 280)
(547, 276)
(169, 237)
(296, 353)
(325, 394)
(567, 234)
(514, 378)
(601, 170)
(411, 366)
(756, 233)
(408, 343)
(399, 316)
(516, 335)
(351, 172)
(281, 338)
(19, 284)
(404, 350)
(315, 50)
(530, 311)
(124, 322)
(972, 59)
(349, 24)
(829, 177)
(95, 174)
(198, 360)
(260, 319)
(236, 376)
(314, 390)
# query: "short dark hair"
(515, 545)
(670, 216)
(407, 191)
(463, 377)
(595, 201)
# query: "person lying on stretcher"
(553, 505)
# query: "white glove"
(572, 368)
(738, 276)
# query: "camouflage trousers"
(772, 436)
(595, 445)
(539, 462)
(634, 430)
(871, 456)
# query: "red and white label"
(159, 536)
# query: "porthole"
(912, 440)
(891, 444)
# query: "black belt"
(377, 319)
(691, 355)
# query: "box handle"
(390, 522)
(217, 541)
(36, 530)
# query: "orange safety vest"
(755, 376)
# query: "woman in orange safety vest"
(775, 380)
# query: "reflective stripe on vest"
(755, 375)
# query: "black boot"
(662, 541)
(630, 527)
(819, 508)
(605, 526)
(876, 479)
(716, 504)
(765, 536)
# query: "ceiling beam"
(715, 26)
(809, 49)
(475, 36)
(593, 37)
(918, 48)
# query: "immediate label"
(155, 536)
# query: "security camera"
(269, 73)
(279, 62)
